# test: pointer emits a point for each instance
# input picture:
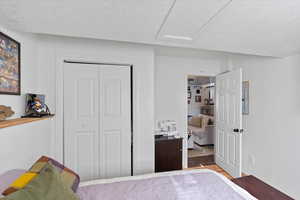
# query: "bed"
(200, 184)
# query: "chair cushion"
(196, 121)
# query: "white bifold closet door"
(97, 120)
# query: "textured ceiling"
(259, 27)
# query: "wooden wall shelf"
(19, 121)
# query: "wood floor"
(214, 168)
(206, 162)
(201, 161)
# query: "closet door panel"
(112, 159)
(81, 116)
(115, 121)
(85, 150)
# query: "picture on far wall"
(245, 98)
(198, 99)
(189, 95)
(10, 70)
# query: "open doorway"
(201, 120)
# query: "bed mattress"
(178, 185)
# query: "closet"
(97, 120)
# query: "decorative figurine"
(35, 106)
(5, 112)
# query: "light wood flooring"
(214, 168)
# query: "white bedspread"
(199, 184)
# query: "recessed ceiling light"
(177, 37)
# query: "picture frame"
(10, 65)
(245, 98)
(189, 96)
(198, 99)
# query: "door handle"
(237, 130)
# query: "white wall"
(171, 72)
(52, 52)
(271, 138)
(22, 145)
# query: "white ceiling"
(259, 27)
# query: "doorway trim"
(185, 156)
(184, 134)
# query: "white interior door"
(97, 120)
(229, 122)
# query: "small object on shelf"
(206, 101)
(167, 127)
(5, 112)
(35, 106)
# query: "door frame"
(59, 101)
(185, 157)
(185, 152)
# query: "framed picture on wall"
(10, 65)
(245, 98)
(198, 99)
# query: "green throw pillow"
(46, 186)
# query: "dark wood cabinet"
(168, 154)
